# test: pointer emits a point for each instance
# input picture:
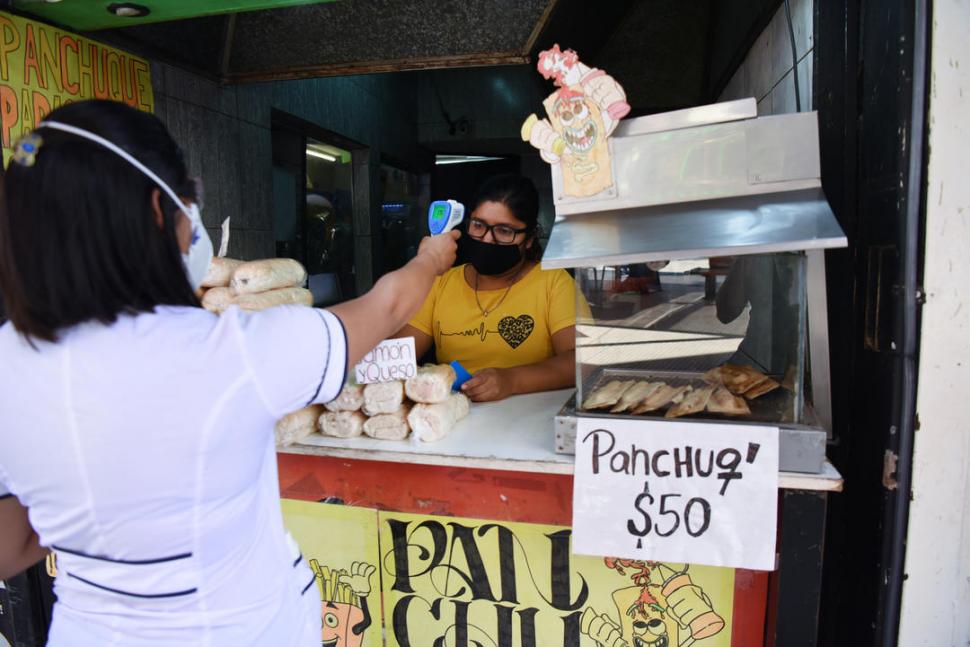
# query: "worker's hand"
(489, 384)
(440, 250)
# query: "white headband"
(114, 148)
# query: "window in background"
(328, 223)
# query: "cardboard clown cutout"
(582, 113)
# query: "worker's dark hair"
(519, 195)
(78, 237)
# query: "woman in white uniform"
(136, 429)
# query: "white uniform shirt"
(144, 452)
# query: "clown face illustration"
(576, 122)
(633, 625)
(644, 626)
(585, 153)
(650, 633)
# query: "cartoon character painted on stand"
(344, 608)
(653, 614)
(582, 114)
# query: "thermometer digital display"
(443, 215)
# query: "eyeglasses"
(502, 234)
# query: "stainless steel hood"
(709, 181)
(751, 224)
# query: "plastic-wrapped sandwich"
(385, 397)
(273, 298)
(350, 398)
(342, 424)
(296, 426)
(220, 272)
(218, 299)
(268, 274)
(431, 422)
(389, 426)
(432, 384)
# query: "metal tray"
(801, 447)
(773, 408)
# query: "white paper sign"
(392, 359)
(676, 492)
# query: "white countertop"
(514, 434)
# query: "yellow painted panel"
(341, 545)
(43, 67)
(460, 581)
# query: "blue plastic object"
(462, 375)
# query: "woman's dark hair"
(519, 196)
(78, 237)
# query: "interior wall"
(486, 108)
(226, 134)
(766, 72)
(478, 110)
(225, 149)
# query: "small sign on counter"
(392, 359)
(675, 491)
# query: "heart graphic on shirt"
(515, 330)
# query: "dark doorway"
(870, 99)
(313, 204)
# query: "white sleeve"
(4, 490)
(298, 355)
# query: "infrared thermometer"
(444, 215)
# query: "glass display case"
(718, 338)
(703, 270)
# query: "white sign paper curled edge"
(676, 492)
(392, 359)
(224, 241)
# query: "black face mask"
(490, 259)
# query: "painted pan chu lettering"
(465, 582)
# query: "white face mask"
(199, 256)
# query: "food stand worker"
(509, 322)
(136, 428)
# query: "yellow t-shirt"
(518, 332)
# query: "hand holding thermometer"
(444, 215)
